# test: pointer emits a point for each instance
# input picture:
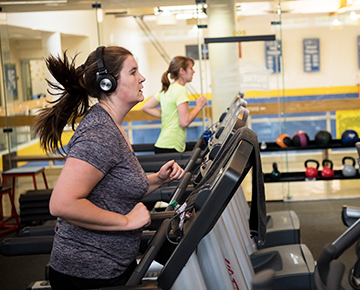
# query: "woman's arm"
(69, 201)
(168, 172)
(151, 108)
(186, 117)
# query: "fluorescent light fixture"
(336, 22)
(354, 16)
(195, 29)
(32, 2)
(100, 17)
(182, 12)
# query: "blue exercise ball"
(349, 137)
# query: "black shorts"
(61, 281)
(164, 150)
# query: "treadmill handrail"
(153, 249)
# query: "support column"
(51, 44)
(223, 57)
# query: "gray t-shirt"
(94, 254)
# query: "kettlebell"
(348, 169)
(327, 172)
(275, 174)
(311, 171)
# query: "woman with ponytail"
(97, 197)
(174, 102)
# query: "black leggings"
(61, 281)
(158, 150)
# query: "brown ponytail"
(165, 81)
(175, 65)
(72, 103)
(73, 87)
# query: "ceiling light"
(354, 16)
(183, 12)
(99, 14)
(32, 2)
(195, 29)
(336, 22)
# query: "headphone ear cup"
(106, 83)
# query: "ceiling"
(46, 5)
(121, 5)
(56, 5)
(145, 7)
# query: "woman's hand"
(170, 171)
(201, 101)
(138, 217)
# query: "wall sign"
(273, 55)
(311, 54)
(11, 82)
(193, 51)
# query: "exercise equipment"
(327, 171)
(354, 272)
(311, 172)
(300, 139)
(348, 169)
(264, 280)
(204, 212)
(349, 137)
(350, 214)
(263, 145)
(207, 208)
(329, 271)
(284, 141)
(275, 174)
(357, 146)
(322, 138)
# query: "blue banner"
(273, 55)
(311, 54)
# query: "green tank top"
(172, 135)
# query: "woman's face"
(130, 82)
(188, 73)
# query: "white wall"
(338, 48)
(125, 31)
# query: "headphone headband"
(106, 82)
(100, 63)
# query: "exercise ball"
(322, 138)
(349, 137)
(284, 141)
(300, 139)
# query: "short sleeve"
(91, 148)
(157, 97)
(182, 95)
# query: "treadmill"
(181, 268)
(293, 266)
(282, 227)
(197, 241)
(234, 117)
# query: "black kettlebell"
(275, 174)
(348, 169)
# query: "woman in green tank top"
(174, 102)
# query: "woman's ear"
(181, 71)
